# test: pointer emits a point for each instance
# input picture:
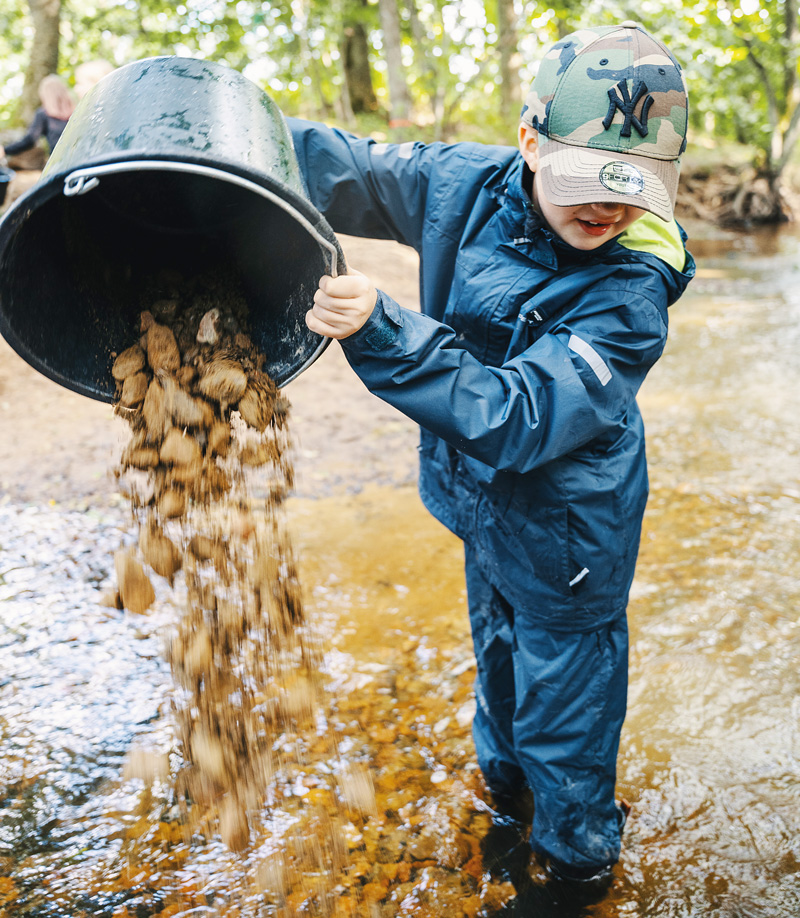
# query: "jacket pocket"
(535, 540)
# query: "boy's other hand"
(342, 305)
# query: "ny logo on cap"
(621, 99)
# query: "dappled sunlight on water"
(710, 754)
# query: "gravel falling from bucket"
(207, 470)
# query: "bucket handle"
(82, 180)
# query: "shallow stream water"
(710, 756)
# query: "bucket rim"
(75, 182)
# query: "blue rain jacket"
(523, 367)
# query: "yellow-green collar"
(652, 235)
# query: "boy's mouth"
(593, 228)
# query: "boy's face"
(584, 226)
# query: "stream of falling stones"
(209, 428)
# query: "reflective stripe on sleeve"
(590, 355)
(404, 150)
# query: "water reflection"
(711, 742)
(78, 680)
(710, 749)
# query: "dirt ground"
(58, 446)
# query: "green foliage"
(14, 45)
(450, 53)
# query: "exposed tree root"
(731, 197)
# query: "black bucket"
(168, 165)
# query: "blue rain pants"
(550, 708)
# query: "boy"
(545, 280)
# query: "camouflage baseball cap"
(610, 107)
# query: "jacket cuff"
(380, 330)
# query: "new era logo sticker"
(622, 178)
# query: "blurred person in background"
(49, 120)
(89, 74)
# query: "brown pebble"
(130, 361)
(258, 454)
(196, 656)
(215, 482)
(256, 405)
(134, 390)
(233, 825)
(179, 448)
(171, 503)
(135, 588)
(207, 754)
(185, 410)
(202, 547)
(160, 552)
(111, 600)
(207, 549)
(185, 338)
(186, 376)
(154, 411)
(208, 331)
(142, 457)
(241, 588)
(223, 380)
(242, 525)
(219, 439)
(187, 474)
(281, 411)
(423, 847)
(201, 788)
(162, 349)
(138, 486)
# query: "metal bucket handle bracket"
(82, 180)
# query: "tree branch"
(773, 111)
(790, 139)
(792, 39)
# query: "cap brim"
(580, 175)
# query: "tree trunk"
(791, 91)
(763, 199)
(43, 60)
(344, 106)
(509, 59)
(357, 73)
(399, 99)
(417, 30)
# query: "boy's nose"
(607, 208)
